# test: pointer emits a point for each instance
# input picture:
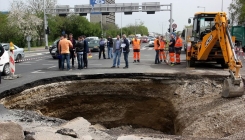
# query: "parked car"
(19, 53)
(4, 63)
(54, 53)
(54, 45)
(151, 42)
(93, 38)
(94, 45)
(144, 39)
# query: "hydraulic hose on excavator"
(233, 86)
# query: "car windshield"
(94, 42)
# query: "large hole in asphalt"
(170, 105)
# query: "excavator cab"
(211, 41)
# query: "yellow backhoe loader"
(211, 41)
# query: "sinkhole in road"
(170, 105)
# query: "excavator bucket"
(232, 90)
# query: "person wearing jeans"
(66, 56)
(85, 52)
(116, 58)
(110, 47)
(64, 46)
(102, 48)
(125, 50)
(116, 52)
(157, 48)
(79, 47)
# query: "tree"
(25, 21)
(237, 12)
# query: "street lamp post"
(45, 25)
(121, 24)
(222, 6)
(135, 26)
(201, 7)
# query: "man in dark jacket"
(72, 50)
(79, 48)
(109, 47)
(85, 52)
(58, 52)
(102, 47)
(1, 53)
(125, 50)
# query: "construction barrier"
(11, 58)
(11, 64)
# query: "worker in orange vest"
(172, 50)
(157, 48)
(136, 48)
(178, 47)
(162, 47)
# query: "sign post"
(28, 39)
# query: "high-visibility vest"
(162, 44)
(155, 44)
(136, 44)
(178, 43)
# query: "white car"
(4, 63)
(151, 42)
(19, 53)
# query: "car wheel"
(18, 58)
(6, 69)
(54, 57)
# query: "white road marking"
(95, 64)
(29, 62)
(24, 64)
(51, 67)
(48, 64)
(38, 71)
(150, 49)
(143, 48)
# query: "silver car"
(18, 52)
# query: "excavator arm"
(233, 86)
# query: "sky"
(158, 22)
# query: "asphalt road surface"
(40, 64)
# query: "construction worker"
(157, 48)
(171, 50)
(162, 47)
(178, 47)
(136, 48)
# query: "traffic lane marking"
(47, 64)
(51, 67)
(38, 71)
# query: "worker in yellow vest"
(178, 47)
(162, 47)
(136, 49)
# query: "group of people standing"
(68, 48)
(175, 46)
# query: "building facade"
(105, 18)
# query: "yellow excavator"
(211, 41)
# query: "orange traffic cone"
(89, 54)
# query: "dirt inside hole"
(114, 111)
(187, 107)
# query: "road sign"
(28, 38)
(174, 26)
(170, 20)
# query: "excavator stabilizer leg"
(232, 90)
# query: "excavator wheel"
(231, 90)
